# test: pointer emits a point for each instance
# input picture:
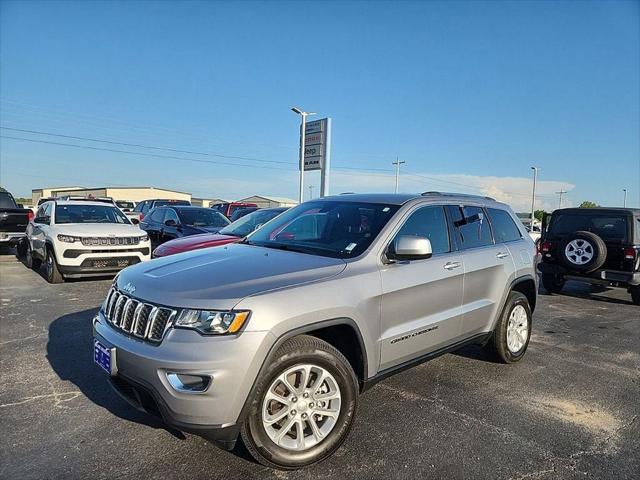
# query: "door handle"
(502, 254)
(452, 265)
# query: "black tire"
(498, 343)
(635, 294)
(52, 273)
(303, 349)
(552, 283)
(31, 261)
(597, 247)
(21, 249)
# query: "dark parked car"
(230, 234)
(13, 221)
(592, 245)
(167, 223)
(146, 206)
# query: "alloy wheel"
(517, 329)
(579, 251)
(301, 407)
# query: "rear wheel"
(21, 248)
(552, 283)
(512, 333)
(52, 272)
(303, 407)
(30, 260)
(635, 294)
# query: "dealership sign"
(315, 144)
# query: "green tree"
(538, 214)
(588, 204)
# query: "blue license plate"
(102, 356)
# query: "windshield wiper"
(285, 246)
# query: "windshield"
(329, 228)
(202, 217)
(606, 226)
(89, 214)
(124, 204)
(174, 203)
(247, 224)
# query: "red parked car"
(227, 208)
(232, 233)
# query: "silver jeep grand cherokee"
(273, 338)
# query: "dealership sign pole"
(317, 150)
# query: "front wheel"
(303, 406)
(52, 271)
(512, 333)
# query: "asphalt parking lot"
(569, 410)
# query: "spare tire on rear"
(583, 252)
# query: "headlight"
(144, 238)
(69, 238)
(212, 322)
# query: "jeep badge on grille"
(129, 288)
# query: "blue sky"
(469, 94)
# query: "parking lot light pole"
(624, 203)
(533, 196)
(397, 163)
(303, 122)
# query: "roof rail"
(446, 194)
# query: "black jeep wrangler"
(593, 245)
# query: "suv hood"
(99, 229)
(221, 277)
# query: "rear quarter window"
(504, 228)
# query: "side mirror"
(135, 221)
(409, 247)
(170, 223)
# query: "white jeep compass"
(77, 239)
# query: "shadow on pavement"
(587, 291)
(70, 353)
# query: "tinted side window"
(170, 215)
(138, 207)
(470, 226)
(157, 214)
(428, 222)
(504, 228)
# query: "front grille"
(136, 318)
(113, 262)
(93, 241)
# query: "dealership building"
(135, 194)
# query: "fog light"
(183, 382)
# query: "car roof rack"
(446, 194)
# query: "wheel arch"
(528, 287)
(338, 332)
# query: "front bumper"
(78, 261)
(232, 363)
(598, 276)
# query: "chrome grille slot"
(113, 241)
(142, 320)
(127, 316)
(156, 330)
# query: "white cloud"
(515, 191)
